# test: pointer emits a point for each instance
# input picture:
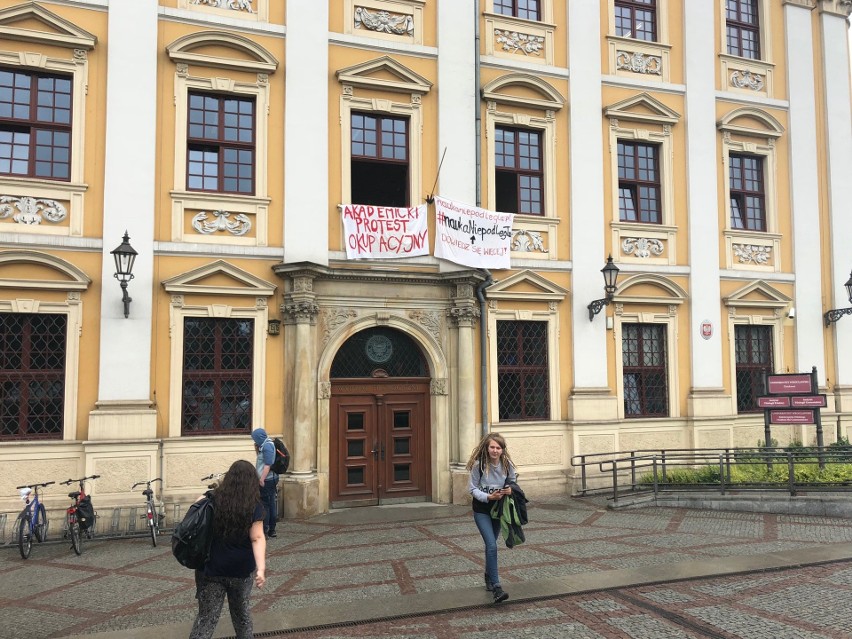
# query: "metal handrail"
(626, 469)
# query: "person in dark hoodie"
(265, 448)
(491, 470)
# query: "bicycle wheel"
(25, 539)
(40, 528)
(76, 539)
(152, 522)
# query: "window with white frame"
(43, 120)
(381, 138)
(221, 143)
(636, 19)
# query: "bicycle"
(151, 513)
(33, 518)
(215, 477)
(72, 521)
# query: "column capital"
(300, 311)
(463, 315)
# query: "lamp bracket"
(835, 314)
(596, 306)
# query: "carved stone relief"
(301, 312)
(240, 225)
(641, 246)
(31, 210)
(639, 62)
(747, 80)
(751, 253)
(463, 315)
(515, 42)
(528, 241)
(332, 319)
(384, 22)
(438, 386)
(429, 320)
(236, 5)
(324, 390)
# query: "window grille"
(379, 352)
(522, 372)
(753, 345)
(644, 369)
(32, 375)
(218, 358)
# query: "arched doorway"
(379, 444)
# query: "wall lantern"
(125, 256)
(610, 273)
(836, 313)
(273, 327)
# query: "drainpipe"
(483, 358)
(480, 290)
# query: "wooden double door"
(379, 443)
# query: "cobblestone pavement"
(805, 603)
(377, 557)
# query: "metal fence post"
(791, 470)
(656, 483)
(722, 474)
(614, 482)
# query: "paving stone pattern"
(123, 584)
(803, 603)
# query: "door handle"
(375, 452)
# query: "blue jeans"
(489, 528)
(270, 504)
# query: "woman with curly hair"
(491, 469)
(238, 549)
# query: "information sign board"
(789, 384)
(808, 401)
(792, 417)
(782, 401)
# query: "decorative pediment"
(26, 269)
(758, 294)
(642, 108)
(751, 121)
(219, 278)
(523, 89)
(384, 73)
(220, 49)
(649, 288)
(526, 285)
(33, 23)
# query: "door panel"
(379, 443)
(355, 464)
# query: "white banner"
(381, 232)
(472, 236)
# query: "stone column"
(837, 77)
(463, 316)
(124, 395)
(300, 310)
(591, 398)
(805, 192)
(707, 397)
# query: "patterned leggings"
(211, 593)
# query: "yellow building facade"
(705, 146)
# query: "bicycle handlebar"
(146, 481)
(47, 483)
(212, 476)
(81, 480)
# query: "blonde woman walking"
(491, 469)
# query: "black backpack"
(193, 535)
(282, 457)
(86, 513)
